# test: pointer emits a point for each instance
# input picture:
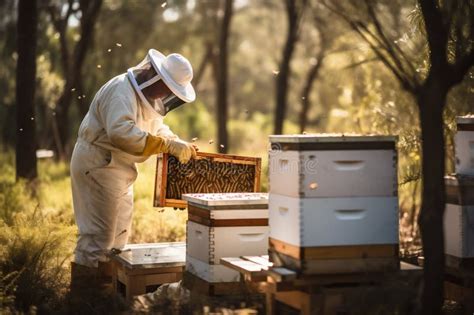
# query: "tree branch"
(391, 49)
(458, 70)
(437, 34)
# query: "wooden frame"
(161, 177)
(203, 217)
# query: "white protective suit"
(110, 141)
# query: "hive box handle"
(349, 165)
(283, 210)
(198, 234)
(251, 237)
(350, 214)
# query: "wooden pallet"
(204, 175)
(459, 281)
(141, 268)
(309, 294)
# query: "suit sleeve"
(165, 131)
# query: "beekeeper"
(124, 126)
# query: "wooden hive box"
(208, 173)
(464, 145)
(333, 203)
(223, 225)
(334, 235)
(322, 165)
(459, 217)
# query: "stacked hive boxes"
(333, 203)
(224, 225)
(459, 213)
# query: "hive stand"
(459, 281)
(309, 294)
(141, 268)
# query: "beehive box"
(224, 225)
(459, 216)
(333, 203)
(334, 235)
(464, 145)
(322, 165)
(228, 225)
(211, 273)
(208, 173)
(315, 222)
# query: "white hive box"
(315, 222)
(459, 216)
(211, 273)
(322, 165)
(224, 225)
(210, 244)
(464, 145)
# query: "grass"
(38, 233)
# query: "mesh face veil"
(151, 70)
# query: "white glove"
(182, 150)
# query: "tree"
(221, 78)
(294, 13)
(87, 12)
(445, 28)
(313, 73)
(26, 145)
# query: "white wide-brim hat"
(176, 72)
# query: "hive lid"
(152, 255)
(459, 189)
(459, 180)
(330, 137)
(227, 199)
(465, 123)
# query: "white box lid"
(152, 255)
(330, 137)
(468, 119)
(227, 199)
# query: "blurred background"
(260, 67)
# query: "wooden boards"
(459, 189)
(334, 252)
(208, 173)
(335, 266)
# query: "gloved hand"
(180, 149)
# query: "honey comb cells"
(206, 176)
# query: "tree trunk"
(312, 75)
(222, 79)
(25, 90)
(431, 99)
(72, 68)
(284, 69)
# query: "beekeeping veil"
(175, 71)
